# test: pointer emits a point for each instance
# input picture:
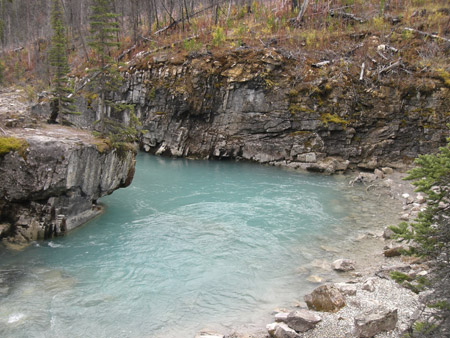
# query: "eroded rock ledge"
(268, 106)
(53, 186)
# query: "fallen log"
(344, 15)
(430, 35)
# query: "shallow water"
(189, 245)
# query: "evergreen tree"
(431, 229)
(430, 235)
(61, 103)
(103, 30)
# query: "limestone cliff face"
(54, 186)
(268, 106)
(264, 106)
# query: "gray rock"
(282, 330)
(369, 284)
(387, 170)
(314, 279)
(375, 321)
(420, 199)
(325, 298)
(404, 217)
(281, 317)
(343, 265)
(388, 233)
(348, 289)
(302, 320)
(378, 173)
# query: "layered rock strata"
(53, 186)
(267, 106)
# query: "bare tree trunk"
(302, 10)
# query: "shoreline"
(371, 265)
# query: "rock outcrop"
(267, 106)
(54, 185)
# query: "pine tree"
(103, 30)
(61, 103)
(431, 229)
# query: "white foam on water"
(15, 317)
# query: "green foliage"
(332, 118)
(399, 277)
(430, 229)
(62, 101)
(441, 305)
(218, 36)
(407, 35)
(9, 144)
(192, 45)
(103, 30)
(444, 76)
(422, 328)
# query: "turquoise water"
(189, 245)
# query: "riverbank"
(368, 287)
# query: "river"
(190, 244)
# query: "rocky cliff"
(51, 185)
(269, 106)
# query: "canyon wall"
(267, 106)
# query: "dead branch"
(430, 35)
(388, 68)
(89, 79)
(143, 54)
(363, 67)
(176, 22)
(344, 15)
(382, 55)
(321, 64)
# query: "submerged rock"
(209, 334)
(343, 265)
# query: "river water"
(189, 245)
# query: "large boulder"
(302, 320)
(325, 298)
(375, 321)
